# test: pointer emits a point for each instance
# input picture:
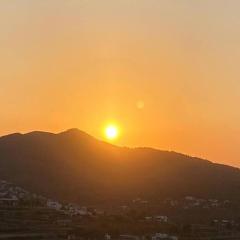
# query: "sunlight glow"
(111, 132)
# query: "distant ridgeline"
(75, 167)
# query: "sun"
(111, 132)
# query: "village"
(24, 215)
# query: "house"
(54, 205)
(107, 236)
(161, 218)
(189, 198)
(163, 236)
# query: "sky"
(166, 72)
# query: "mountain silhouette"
(73, 166)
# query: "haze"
(167, 72)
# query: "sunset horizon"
(119, 120)
(104, 138)
(163, 72)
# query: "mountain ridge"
(76, 167)
(78, 131)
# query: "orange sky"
(84, 63)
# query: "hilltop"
(75, 167)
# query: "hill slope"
(74, 166)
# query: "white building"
(161, 218)
(54, 205)
(163, 236)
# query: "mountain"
(75, 167)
